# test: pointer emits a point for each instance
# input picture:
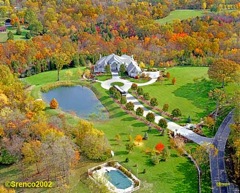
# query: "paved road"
(217, 162)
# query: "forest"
(79, 34)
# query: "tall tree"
(60, 59)
(223, 70)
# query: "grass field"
(166, 177)
(3, 35)
(180, 15)
(189, 96)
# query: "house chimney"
(100, 56)
(132, 57)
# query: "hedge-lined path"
(171, 125)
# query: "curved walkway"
(217, 162)
(171, 125)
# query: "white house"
(115, 62)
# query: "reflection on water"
(78, 99)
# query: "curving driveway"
(217, 163)
(171, 125)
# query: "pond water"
(78, 99)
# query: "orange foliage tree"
(138, 139)
(53, 104)
(174, 81)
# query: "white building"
(115, 62)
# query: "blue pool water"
(77, 99)
(118, 179)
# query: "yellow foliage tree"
(53, 104)
(4, 190)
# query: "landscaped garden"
(121, 128)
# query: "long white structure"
(115, 62)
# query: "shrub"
(129, 147)
(150, 117)
(155, 160)
(189, 120)
(139, 111)
(127, 160)
(146, 96)
(176, 112)
(165, 107)
(168, 75)
(112, 90)
(134, 86)
(130, 106)
(138, 139)
(123, 100)
(153, 102)
(162, 123)
(111, 163)
(140, 91)
(53, 104)
(174, 81)
(145, 136)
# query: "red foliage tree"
(159, 147)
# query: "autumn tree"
(32, 153)
(162, 123)
(140, 91)
(134, 86)
(202, 157)
(139, 111)
(165, 107)
(123, 100)
(209, 122)
(53, 104)
(130, 106)
(153, 102)
(60, 59)
(150, 117)
(174, 81)
(223, 70)
(138, 139)
(219, 96)
(146, 96)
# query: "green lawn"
(3, 35)
(117, 83)
(181, 15)
(104, 77)
(189, 96)
(51, 76)
(176, 175)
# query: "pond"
(79, 100)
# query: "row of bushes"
(145, 97)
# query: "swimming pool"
(118, 179)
